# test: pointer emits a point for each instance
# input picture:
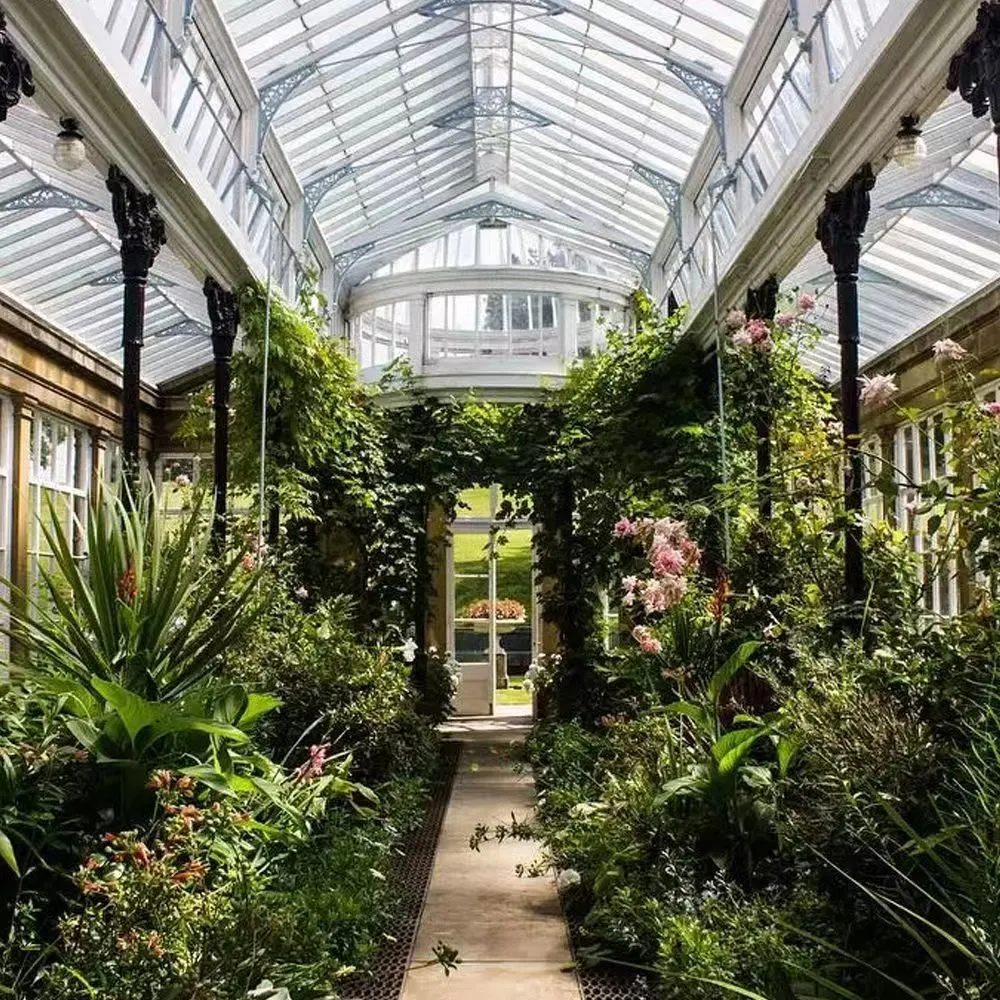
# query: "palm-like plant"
(128, 641)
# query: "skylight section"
(594, 109)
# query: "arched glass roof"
(592, 111)
(497, 244)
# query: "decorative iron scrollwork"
(975, 70)
(843, 222)
(762, 302)
(224, 313)
(16, 79)
(140, 226)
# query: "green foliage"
(632, 429)
(127, 650)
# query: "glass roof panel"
(59, 256)
(931, 239)
(559, 102)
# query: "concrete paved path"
(509, 931)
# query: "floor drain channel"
(610, 982)
(410, 873)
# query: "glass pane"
(515, 598)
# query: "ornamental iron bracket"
(491, 210)
(15, 72)
(343, 262)
(492, 102)
(667, 188)
(43, 196)
(118, 278)
(316, 190)
(709, 91)
(183, 328)
(866, 276)
(140, 226)
(843, 221)
(273, 96)
(640, 259)
(939, 196)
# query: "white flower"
(268, 991)
(528, 685)
(878, 390)
(949, 350)
(181, 481)
(736, 319)
(409, 651)
(567, 879)
(301, 593)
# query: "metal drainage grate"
(410, 873)
(610, 982)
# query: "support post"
(223, 311)
(762, 303)
(15, 72)
(142, 233)
(841, 226)
(21, 514)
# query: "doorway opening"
(492, 608)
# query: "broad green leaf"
(7, 854)
(730, 669)
(136, 713)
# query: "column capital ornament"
(15, 72)
(224, 313)
(140, 226)
(975, 69)
(762, 302)
(843, 221)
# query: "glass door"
(473, 592)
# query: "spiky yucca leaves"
(129, 640)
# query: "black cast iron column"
(762, 303)
(15, 72)
(841, 226)
(223, 311)
(975, 69)
(142, 233)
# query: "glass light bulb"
(69, 150)
(909, 150)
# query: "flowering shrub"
(506, 610)
(670, 557)
(877, 390)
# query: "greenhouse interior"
(499, 499)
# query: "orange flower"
(193, 871)
(142, 855)
(155, 944)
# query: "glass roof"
(931, 239)
(399, 106)
(59, 256)
(509, 245)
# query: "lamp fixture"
(69, 149)
(910, 148)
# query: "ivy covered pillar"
(142, 233)
(762, 303)
(841, 226)
(223, 311)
